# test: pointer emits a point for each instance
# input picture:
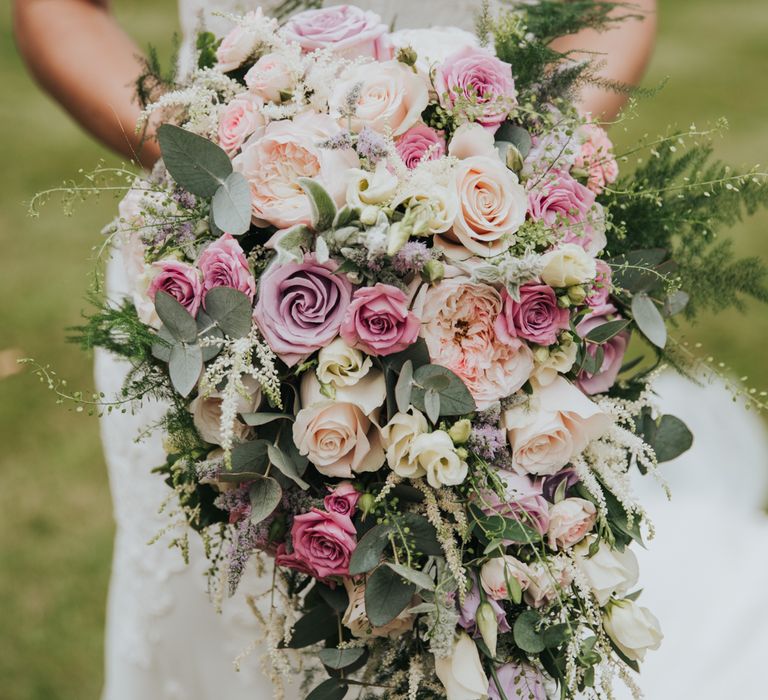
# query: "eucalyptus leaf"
(421, 580)
(423, 534)
(672, 438)
(432, 405)
(231, 205)
(318, 624)
(161, 348)
(257, 419)
(340, 658)
(386, 596)
(369, 549)
(195, 163)
(265, 495)
(649, 319)
(335, 598)
(185, 366)
(231, 309)
(418, 353)
(516, 135)
(250, 457)
(323, 207)
(179, 322)
(331, 689)
(403, 387)
(604, 332)
(525, 634)
(284, 463)
(455, 399)
(206, 328)
(676, 302)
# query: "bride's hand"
(85, 61)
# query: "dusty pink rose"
(239, 45)
(325, 541)
(300, 307)
(287, 151)
(613, 350)
(293, 561)
(523, 501)
(570, 521)
(343, 499)
(378, 321)
(238, 120)
(271, 77)
(345, 30)
(180, 280)
(420, 143)
(600, 292)
(596, 157)
(564, 203)
(457, 325)
(223, 264)
(478, 84)
(536, 317)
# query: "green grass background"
(55, 522)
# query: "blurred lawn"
(55, 524)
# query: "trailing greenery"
(155, 77)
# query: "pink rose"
(536, 317)
(223, 264)
(325, 541)
(239, 45)
(613, 350)
(343, 499)
(378, 321)
(180, 280)
(292, 561)
(596, 157)
(345, 30)
(271, 77)
(522, 501)
(300, 307)
(238, 120)
(478, 85)
(600, 292)
(570, 521)
(458, 327)
(420, 143)
(287, 151)
(565, 204)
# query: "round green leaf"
(367, 554)
(455, 399)
(231, 205)
(340, 658)
(525, 634)
(332, 689)
(185, 365)
(265, 495)
(231, 309)
(180, 323)
(207, 328)
(161, 348)
(649, 319)
(671, 439)
(386, 596)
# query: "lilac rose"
(300, 307)
(613, 350)
(180, 280)
(420, 143)
(523, 501)
(536, 317)
(223, 264)
(518, 680)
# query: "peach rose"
(569, 522)
(391, 97)
(492, 207)
(240, 119)
(287, 151)
(271, 77)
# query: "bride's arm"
(625, 52)
(80, 55)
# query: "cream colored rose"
(609, 571)
(435, 454)
(340, 365)
(273, 76)
(633, 629)
(366, 188)
(570, 521)
(369, 392)
(471, 139)
(546, 580)
(492, 207)
(398, 436)
(356, 621)
(553, 362)
(568, 265)
(206, 412)
(390, 97)
(565, 422)
(496, 573)
(461, 673)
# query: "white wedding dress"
(704, 575)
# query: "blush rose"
(324, 541)
(223, 264)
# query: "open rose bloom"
(372, 274)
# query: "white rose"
(369, 392)
(568, 265)
(496, 572)
(462, 673)
(391, 97)
(366, 188)
(206, 412)
(570, 521)
(471, 139)
(565, 422)
(432, 45)
(398, 436)
(340, 365)
(546, 579)
(633, 629)
(609, 571)
(436, 455)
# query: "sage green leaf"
(455, 399)
(265, 495)
(231, 309)
(257, 419)
(421, 580)
(423, 534)
(649, 319)
(318, 624)
(345, 217)
(672, 438)
(371, 546)
(195, 163)
(179, 322)
(517, 136)
(432, 405)
(335, 598)
(676, 302)
(340, 658)
(525, 634)
(292, 244)
(207, 328)
(636, 270)
(386, 596)
(250, 457)
(161, 348)
(284, 463)
(403, 387)
(556, 635)
(331, 689)
(185, 366)
(231, 205)
(603, 333)
(322, 252)
(323, 207)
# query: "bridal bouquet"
(386, 283)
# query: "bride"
(164, 640)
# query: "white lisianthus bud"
(568, 265)
(436, 455)
(608, 571)
(461, 673)
(559, 360)
(370, 215)
(398, 436)
(633, 628)
(460, 431)
(340, 365)
(397, 236)
(488, 626)
(366, 188)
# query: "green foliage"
(156, 78)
